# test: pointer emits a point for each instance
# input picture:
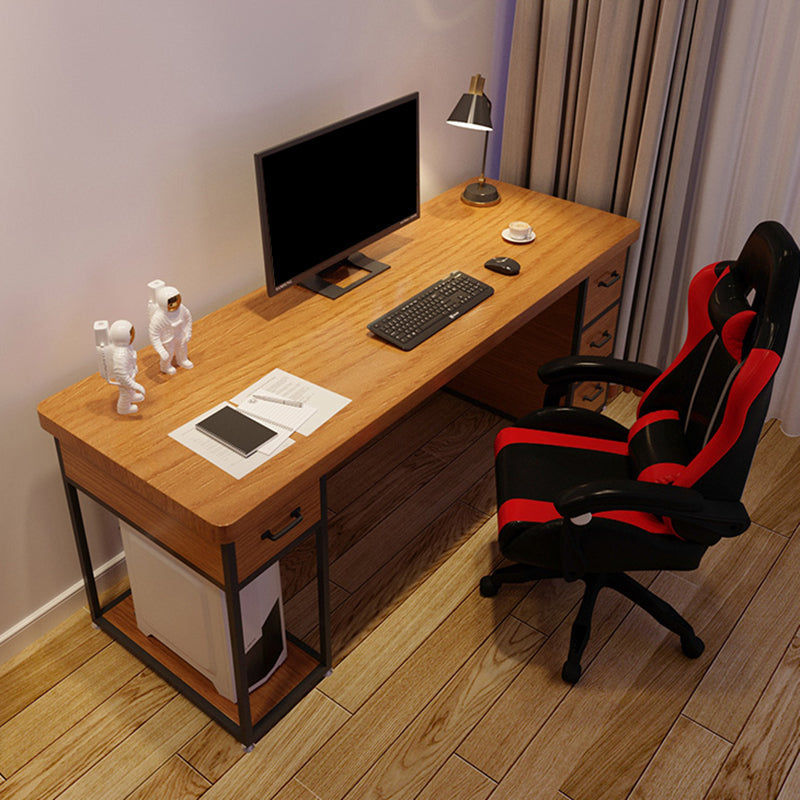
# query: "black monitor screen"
(325, 195)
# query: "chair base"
(659, 609)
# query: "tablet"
(236, 430)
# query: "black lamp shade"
(472, 111)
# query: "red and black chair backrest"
(698, 424)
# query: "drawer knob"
(297, 518)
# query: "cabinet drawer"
(598, 338)
(602, 290)
(289, 521)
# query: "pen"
(284, 400)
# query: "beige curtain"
(606, 105)
(751, 170)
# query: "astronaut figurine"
(170, 326)
(117, 360)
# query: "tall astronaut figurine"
(170, 326)
(118, 362)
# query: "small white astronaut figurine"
(118, 362)
(170, 326)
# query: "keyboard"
(426, 313)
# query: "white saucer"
(507, 236)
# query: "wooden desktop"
(229, 530)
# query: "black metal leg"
(237, 642)
(323, 580)
(81, 542)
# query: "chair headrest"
(751, 304)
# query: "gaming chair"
(580, 496)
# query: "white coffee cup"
(520, 231)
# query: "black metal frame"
(247, 731)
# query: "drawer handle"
(602, 341)
(297, 519)
(610, 281)
(598, 391)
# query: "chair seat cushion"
(534, 467)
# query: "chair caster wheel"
(489, 586)
(571, 672)
(692, 646)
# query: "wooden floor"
(438, 692)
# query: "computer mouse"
(503, 264)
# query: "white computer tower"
(188, 614)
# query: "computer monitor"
(324, 195)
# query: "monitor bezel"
(308, 275)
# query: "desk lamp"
(473, 111)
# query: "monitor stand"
(317, 283)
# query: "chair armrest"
(561, 372)
(699, 515)
(631, 495)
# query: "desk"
(216, 524)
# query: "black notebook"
(236, 430)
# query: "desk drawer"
(603, 289)
(598, 338)
(289, 521)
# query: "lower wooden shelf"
(300, 667)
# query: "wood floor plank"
(65, 704)
(753, 650)
(733, 571)
(133, 761)
(361, 612)
(390, 450)
(375, 659)
(294, 790)
(426, 745)
(676, 771)
(791, 786)
(300, 613)
(47, 661)
(585, 712)
(386, 495)
(175, 780)
(90, 740)
(763, 755)
(770, 495)
(212, 752)
(637, 685)
(398, 495)
(505, 730)
(457, 780)
(482, 496)
(387, 539)
(398, 699)
(282, 752)
(548, 603)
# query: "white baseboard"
(71, 600)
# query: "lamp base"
(480, 195)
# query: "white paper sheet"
(283, 384)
